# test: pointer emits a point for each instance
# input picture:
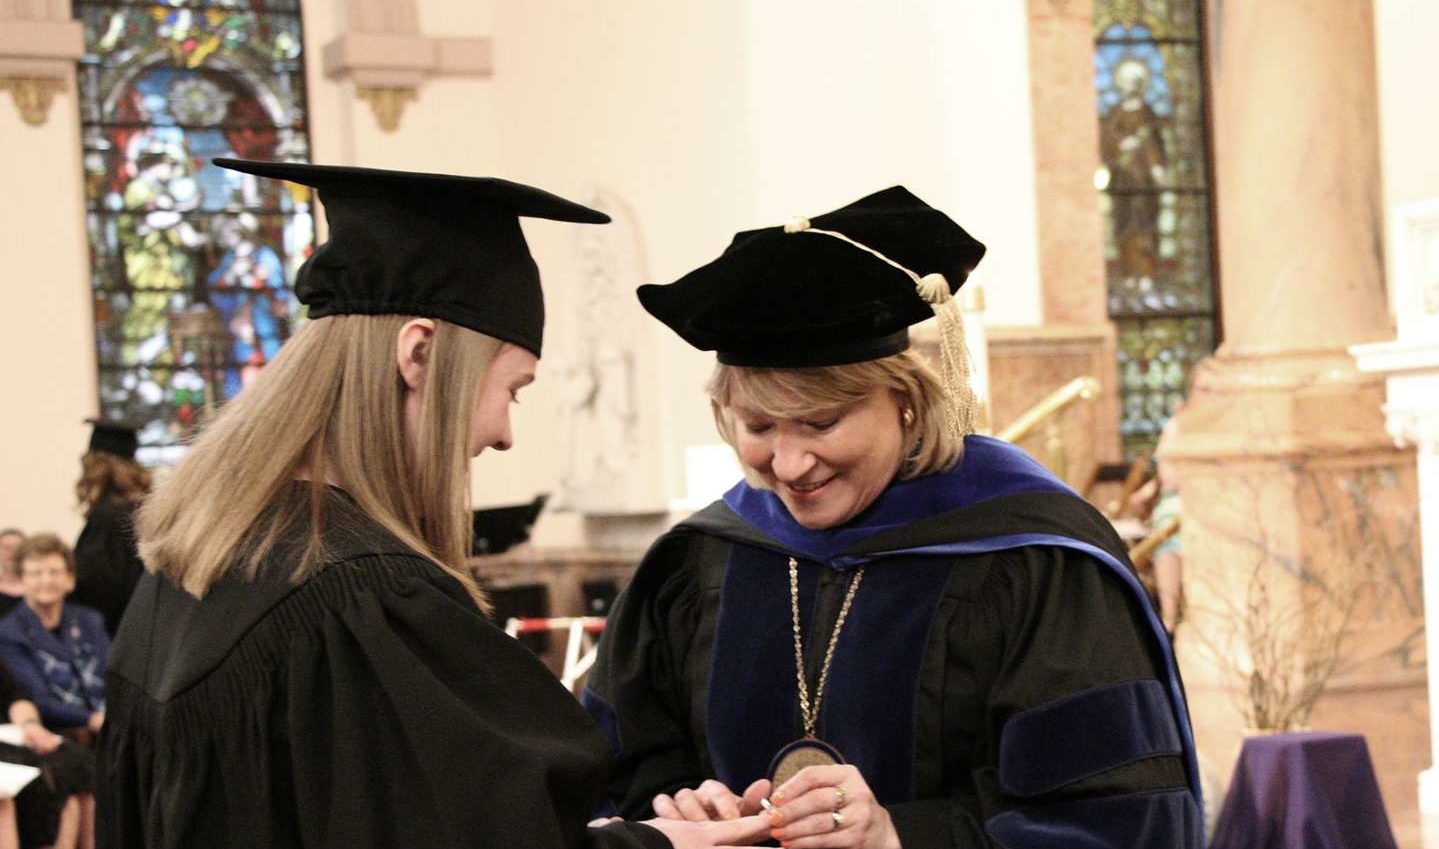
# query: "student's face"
(512, 369)
(45, 579)
(829, 466)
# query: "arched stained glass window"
(190, 263)
(1155, 193)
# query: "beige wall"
(1406, 32)
(46, 333)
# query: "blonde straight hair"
(802, 392)
(330, 407)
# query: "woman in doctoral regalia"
(894, 632)
(306, 662)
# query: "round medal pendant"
(800, 754)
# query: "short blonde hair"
(800, 392)
(330, 406)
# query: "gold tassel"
(962, 412)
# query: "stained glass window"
(189, 262)
(1155, 196)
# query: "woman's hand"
(830, 806)
(97, 721)
(40, 738)
(745, 831)
(710, 801)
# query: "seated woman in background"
(56, 650)
(57, 808)
(901, 633)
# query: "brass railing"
(1142, 551)
(1046, 412)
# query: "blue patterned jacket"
(62, 673)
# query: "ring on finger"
(838, 798)
(838, 819)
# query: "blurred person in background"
(110, 489)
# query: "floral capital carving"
(388, 104)
(33, 96)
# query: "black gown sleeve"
(642, 690)
(411, 721)
(1031, 664)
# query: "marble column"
(1066, 155)
(1071, 245)
(1289, 476)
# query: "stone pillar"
(1411, 367)
(1290, 482)
(1066, 155)
(1071, 243)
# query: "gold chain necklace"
(810, 712)
(810, 750)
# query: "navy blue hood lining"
(990, 468)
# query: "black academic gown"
(1000, 681)
(372, 705)
(107, 564)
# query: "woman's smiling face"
(829, 465)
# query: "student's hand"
(97, 720)
(830, 806)
(710, 801)
(745, 831)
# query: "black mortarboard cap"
(431, 245)
(785, 298)
(117, 438)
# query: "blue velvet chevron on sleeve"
(1084, 734)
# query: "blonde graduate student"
(306, 662)
(894, 632)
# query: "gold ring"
(838, 798)
(838, 820)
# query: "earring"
(907, 417)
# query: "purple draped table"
(1303, 790)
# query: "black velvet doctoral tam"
(782, 297)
